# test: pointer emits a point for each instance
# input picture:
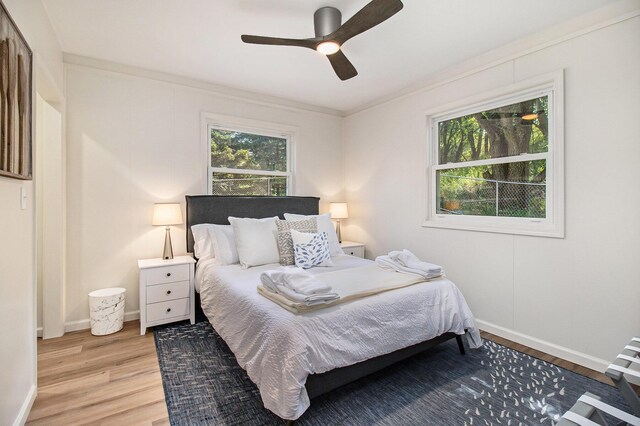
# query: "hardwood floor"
(549, 358)
(115, 379)
(85, 379)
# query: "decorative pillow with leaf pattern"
(285, 243)
(311, 249)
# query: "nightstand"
(352, 248)
(166, 291)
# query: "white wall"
(17, 303)
(576, 297)
(17, 251)
(134, 141)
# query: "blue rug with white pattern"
(493, 385)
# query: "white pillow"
(311, 249)
(223, 241)
(255, 240)
(202, 247)
(324, 225)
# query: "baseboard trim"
(23, 414)
(86, 323)
(576, 357)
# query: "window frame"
(552, 225)
(256, 127)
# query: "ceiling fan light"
(530, 116)
(328, 47)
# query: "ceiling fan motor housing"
(326, 20)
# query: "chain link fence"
(259, 185)
(486, 197)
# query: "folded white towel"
(385, 262)
(301, 281)
(272, 278)
(268, 282)
(410, 260)
(296, 279)
(309, 300)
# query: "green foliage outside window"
(246, 152)
(237, 150)
(516, 188)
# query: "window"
(494, 166)
(248, 161)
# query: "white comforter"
(279, 349)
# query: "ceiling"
(200, 39)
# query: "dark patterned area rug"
(204, 385)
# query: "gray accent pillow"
(285, 243)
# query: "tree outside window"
(248, 164)
(494, 162)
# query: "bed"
(293, 358)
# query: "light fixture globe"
(328, 47)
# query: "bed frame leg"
(460, 345)
(289, 422)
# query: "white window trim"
(246, 125)
(553, 226)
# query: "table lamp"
(338, 211)
(167, 214)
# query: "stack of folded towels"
(298, 286)
(407, 262)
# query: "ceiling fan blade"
(374, 13)
(342, 66)
(310, 43)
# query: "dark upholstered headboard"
(217, 208)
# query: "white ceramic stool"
(106, 310)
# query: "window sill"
(512, 226)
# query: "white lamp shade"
(339, 210)
(167, 214)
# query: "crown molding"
(219, 90)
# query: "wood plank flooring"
(109, 380)
(549, 358)
(115, 379)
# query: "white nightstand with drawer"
(353, 248)
(166, 291)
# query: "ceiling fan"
(331, 35)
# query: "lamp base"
(338, 230)
(168, 249)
